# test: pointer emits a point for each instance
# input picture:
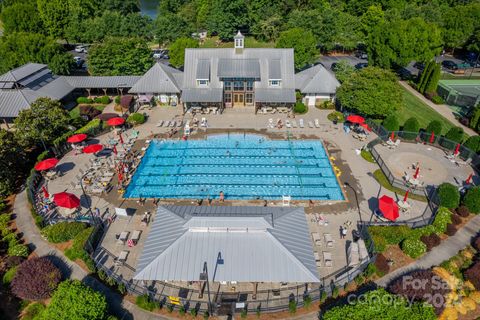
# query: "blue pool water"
(244, 167)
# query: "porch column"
(255, 288)
(88, 91)
(104, 91)
(6, 123)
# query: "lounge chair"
(318, 261)
(270, 123)
(136, 236)
(294, 124)
(173, 123)
(287, 124)
(160, 123)
(317, 124)
(180, 124)
(316, 239)
(203, 123)
(310, 124)
(460, 162)
(166, 123)
(300, 123)
(327, 259)
(328, 240)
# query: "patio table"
(122, 257)
(316, 239)
(136, 236)
(328, 239)
(327, 258)
(123, 237)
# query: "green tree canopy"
(226, 17)
(120, 56)
(391, 123)
(55, 15)
(434, 126)
(12, 162)
(123, 6)
(459, 23)
(170, 27)
(343, 71)
(74, 301)
(473, 143)
(373, 17)
(372, 91)
(177, 50)
(21, 17)
(472, 200)
(455, 134)
(303, 44)
(44, 121)
(448, 195)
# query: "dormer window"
(203, 82)
(274, 83)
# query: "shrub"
(36, 279)
(323, 296)
(307, 301)
(463, 211)
(84, 100)
(472, 200)
(391, 123)
(193, 312)
(442, 219)
(359, 279)
(243, 314)
(407, 286)
(117, 100)
(292, 306)
(121, 288)
(12, 261)
(170, 308)
(8, 276)
(392, 235)
(327, 104)
(413, 248)
(91, 127)
(206, 315)
(455, 134)
(181, 310)
(77, 251)
(63, 231)
(335, 292)
(19, 250)
(136, 119)
(451, 229)
(456, 220)
(473, 143)
(102, 275)
(411, 128)
(437, 99)
(434, 126)
(336, 116)
(370, 270)
(102, 100)
(5, 219)
(448, 195)
(33, 310)
(476, 244)
(146, 303)
(430, 241)
(473, 275)
(11, 238)
(74, 300)
(89, 111)
(300, 108)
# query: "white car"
(80, 49)
(77, 59)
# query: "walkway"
(121, 308)
(447, 249)
(442, 109)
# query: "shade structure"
(469, 178)
(93, 148)
(46, 164)
(355, 119)
(388, 207)
(405, 198)
(417, 171)
(77, 138)
(117, 121)
(66, 200)
(114, 149)
(432, 137)
(457, 149)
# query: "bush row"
(99, 100)
(449, 196)
(9, 237)
(93, 126)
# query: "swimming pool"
(244, 167)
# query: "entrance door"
(238, 99)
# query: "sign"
(174, 300)
(240, 305)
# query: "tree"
(55, 15)
(459, 23)
(170, 27)
(455, 134)
(343, 70)
(35, 279)
(411, 125)
(371, 18)
(372, 92)
(425, 75)
(44, 121)
(177, 50)
(475, 120)
(267, 29)
(472, 200)
(473, 143)
(21, 17)
(391, 123)
(448, 195)
(124, 7)
(431, 86)
(226, 17)
(434, 126)
(398, 42)
(120, 56)
(74, 301)
(62, 64)
(12, 162)
(303, 44)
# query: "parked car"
(359, 66)
(157, 55)
(79, 61)
(361, 55)
(449, 64)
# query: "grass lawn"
(449, 76)
(383, 181)
(414, 107)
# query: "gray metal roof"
(275, 95)
(56, 89)
(316, 79)
(203, 69)
(257, 244)
(21, 72)
(12, 102)
(99, 82)
(158, 79)
(202, 95)
(274, 70)
(238, 68)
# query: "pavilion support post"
(255, 289)
(89, 91)
(6, 123)
(104, 91)
(201, 289)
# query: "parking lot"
(328, 60)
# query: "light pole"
(346, 184)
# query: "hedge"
(391, 123)
(63, 231)
(136, 119)
(472, 200)
(100, 100)
(8, 276)
(473, 143)
(146, 303)
(448, 195)
(91, 127)
(434, 126)
(413, 248)
(18, 250)
(411, 128)
(442, 219)
(84, 100)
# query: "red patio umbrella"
(469, 178)
(392, 136)
(388, 207)
(45, 192)
(66, 200)
(121, 138)
(46, 164)
(120, 177)
(115, 149)
(77, 138)
(415, 176)
(366, 126)
(406, 196)
(93, 148)
(457, 149)
(432, 137)
(355, 119)
(117, 121)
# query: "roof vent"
(239, 42)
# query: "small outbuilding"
(316, 85)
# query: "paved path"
(442, 109)
(25, 224)
(447, 249)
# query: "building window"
(202, 83)
(249, 85)
(274, 83)
(238, 86)
(227, 86)
(228, 98)
(249, 98)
